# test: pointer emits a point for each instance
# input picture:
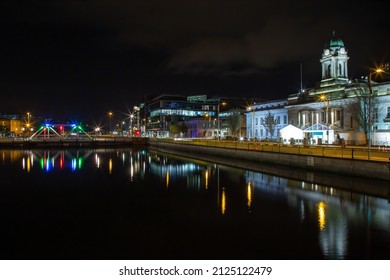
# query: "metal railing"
(333, 151)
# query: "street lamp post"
(369, 114)
(219, 127)
(327, 121)
(122, 126)
(218, 130)
(110, 116)
(370, 95)
(131, 125)
(250, 108)
(326, 99)
(28, 123)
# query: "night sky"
(82, 59)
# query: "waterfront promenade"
(381, 153)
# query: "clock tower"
(334, 63)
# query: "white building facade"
(332, 105)
(256, 120)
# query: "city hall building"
(337, 108)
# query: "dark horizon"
(82, 60)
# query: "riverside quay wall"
(271, 162)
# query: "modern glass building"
(194, 116)
(164, 110)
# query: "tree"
(269, 122)
(3, 130)
(234, 121)
(174, 129)
(364, 108)
(183, 128)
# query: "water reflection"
(330, 216)
(28, 162)
(167, 179)
(249, 195)
(223, 201)
(335, 210)
(110, 166)
(321, 206)
(206, 178)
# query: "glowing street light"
(28, 122)
(131, 125)
(218, 109)
(325, 98)
(122, 126)
(370, 95)
(110, 116)
(251, 109)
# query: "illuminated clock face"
(326, 52)
(342, 50)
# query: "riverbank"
(334, 160)
(271, 162)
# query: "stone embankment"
(282, 163)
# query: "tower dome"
(334, 62)
(334, 43)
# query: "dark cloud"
(220, 32)
(131, 48)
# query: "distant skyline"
(82, 59)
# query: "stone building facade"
(340, 104)
(357, 111)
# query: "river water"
(112, 204)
